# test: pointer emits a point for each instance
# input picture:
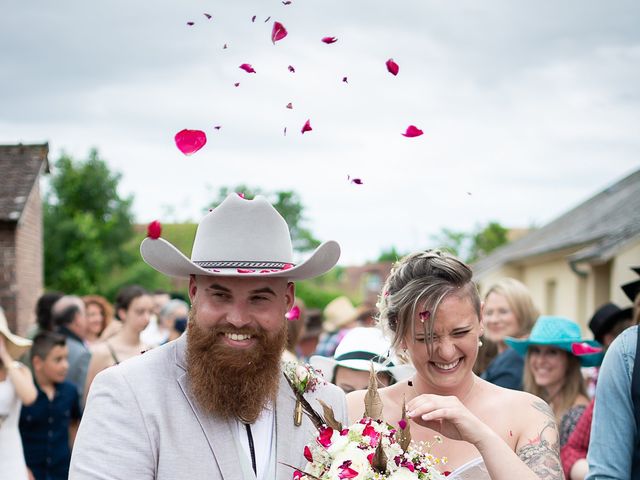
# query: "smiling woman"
(432, 310)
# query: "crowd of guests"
(45, 379)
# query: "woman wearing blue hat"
(552, 372)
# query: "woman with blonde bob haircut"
(432, 310)
(508, 312)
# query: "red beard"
(233, 382)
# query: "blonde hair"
(519, 299)
(422, 280)
(572, 387)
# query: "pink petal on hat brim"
(166, 258)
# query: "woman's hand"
(448, 416)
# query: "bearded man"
(213, 404)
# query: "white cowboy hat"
(358, 349)
(240, 238)
(16, 346)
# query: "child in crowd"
(48, 426)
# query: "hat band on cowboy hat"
(240, 237)
(559, 332)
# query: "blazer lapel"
(290, 440)
(217, 431)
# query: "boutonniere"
(302, 378)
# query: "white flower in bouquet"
(351, 463)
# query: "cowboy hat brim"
(167, 259)
(522, 345)
(327, 366)
(16, 346)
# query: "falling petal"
(293, 314)
(191, 24)
(329, 40)
(253, 19)
(245, 270)
(154, 230)
(224, 47)
(289, 105)
(247, 68)
(291, 69)
(424, 316)
(357, 181)
(307, 126)
(286, 2)
(240, 194)
(287, 266)
(218, 127)
(412, 131)
(190, 141)
(344, 79)
(207, 15)
(278, 32)
(285, 131)
(402, 424)
(392, 67)
(267, 19)
(237, 84)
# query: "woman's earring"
(479, 343)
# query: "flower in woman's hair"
(424, 316)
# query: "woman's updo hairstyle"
(422, 280)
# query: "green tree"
(487, 239)
(391, 255)
(86, 225)
(288, 204)
(472, 246)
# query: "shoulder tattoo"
(542, 453)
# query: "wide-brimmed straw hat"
(358, 349)
(240, 237)
(16, 345)
(338, 313)
(559, 332)
(605, 318)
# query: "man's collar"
(70, 333)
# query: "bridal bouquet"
(370, 449)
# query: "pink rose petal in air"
(278, 32)
(402, 423)
(307, 126)
(285, 131)
(190, 141)
(357, 181)
(267, 19)
(224, 47)
(392, 67)
(412, 131)
(218, 127)
(247, 68)
(297, 475)
(253, 19)
(329, 40)
(154, 230)
(237, 84)
(345, 79)
(291, 69)
(292, 315)
(290, 106)
(207, 15)
(307, 453)
(191, 24)
(286, 2)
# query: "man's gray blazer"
(142, 422)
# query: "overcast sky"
(527, 108)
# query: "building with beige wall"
(578, 261)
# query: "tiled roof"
(594, 230)
(20, 167)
